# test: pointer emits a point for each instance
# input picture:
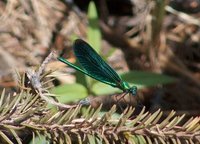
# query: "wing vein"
(94, 64)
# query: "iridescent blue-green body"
(95, 67)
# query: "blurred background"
(152, 44)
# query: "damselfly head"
(133, 90)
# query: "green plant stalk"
(158, 15)
(93, 36)
(157, 21)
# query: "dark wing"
(94, 64)
(82, 70)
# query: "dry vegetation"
(30, 29)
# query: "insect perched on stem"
(95, 67)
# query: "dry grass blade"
(187, 18)
(15, 136)
(96, 113)
(151, 118)
(5, 138)
(34, 80)
(2, 97)
(138, 118)
(165, 122)
(193, 124)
